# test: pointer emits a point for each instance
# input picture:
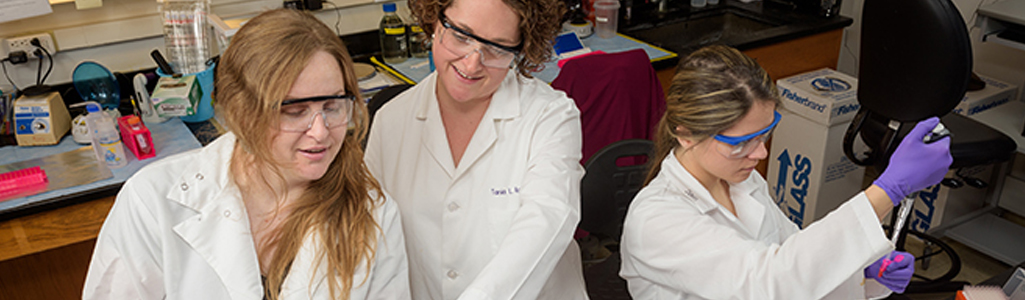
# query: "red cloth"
(618, 94)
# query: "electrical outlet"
(24, 43)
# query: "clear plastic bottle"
(105, 137)
(393, 36)
(185, 34)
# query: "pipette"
(938, 133)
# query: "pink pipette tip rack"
(21, 181)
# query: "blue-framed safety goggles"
(741, 146)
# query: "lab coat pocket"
(503, 204)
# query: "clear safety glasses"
(462, 43)
(742, 146)
(297, 115)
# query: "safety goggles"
(742, 146)
(462, 44)
(297, 115)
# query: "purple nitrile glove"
(895, 274)
(915, 165)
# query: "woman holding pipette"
(705, 227)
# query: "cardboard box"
(808, 173)
(995, 93)
(40, 120)
(938, 203)
(176, 97)
(825, 96)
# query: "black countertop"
(683, 29)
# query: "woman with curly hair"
(483, 159)
(280, 207)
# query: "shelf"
(994, 236)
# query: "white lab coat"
(679, 243)
(179, 230)
(499, 226)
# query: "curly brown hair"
(539, 23)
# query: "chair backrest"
(915, 63)
(607, 188)
(383, 96)
(916, 58)
(618, 94)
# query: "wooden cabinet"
(784, 59)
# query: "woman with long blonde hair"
(280, 207)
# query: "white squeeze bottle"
(106, 139)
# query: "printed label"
(395, 31)
(792, 187)
(923, 214)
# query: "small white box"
(825, 96)
(808, 173)
(995, 93)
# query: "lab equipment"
(418, 42)
(698, 3)
(185, 34)
(161, 62)
(94, 82)
(938, 132)
(105, 137)
(393, 36)
(904, 177)
(187, 96)
(142, 99)
(898, 275)
(20, 181)
(136, 137)
(606, 18)
(41, 119)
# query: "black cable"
(50, 68)
(15, 86)
(39, 71)
(338, 19)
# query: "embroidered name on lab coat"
(690, 195)
(505, 191)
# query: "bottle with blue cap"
(393, 36)
(105, 137)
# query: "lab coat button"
(185, 187)
(452, 274)
(199, 176)
(227, 213)
(453, 206)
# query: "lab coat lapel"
(696, 194)
(433, 137)
(219, 232)
(504, 105)
(750, 211)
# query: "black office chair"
(605, 194)
(383, 96)
(915, 63)
(607, 188)
(378, 100)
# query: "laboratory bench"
(45, 251)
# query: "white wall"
(992, 60)
(121, 35)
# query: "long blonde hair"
(254, 75)
(714, 87)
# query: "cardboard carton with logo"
(808, 173)
(995, 93)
